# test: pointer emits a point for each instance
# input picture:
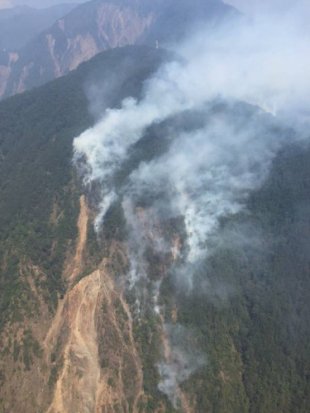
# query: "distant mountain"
(20, 24)
(100, 25)
(176, 19)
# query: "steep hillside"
(47, 242)
(87, 30)
(99, 25)
(78, 332)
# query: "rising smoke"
(240, 81)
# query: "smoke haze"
(235, 85)
(255, 8)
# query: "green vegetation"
(251, 320)
(36, 145)
(26, 350)
(55, 372)
(249, 314)
(36, 174)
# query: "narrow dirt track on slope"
(76, 265)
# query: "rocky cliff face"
(8, 59)
(87, 30)
(101, 25)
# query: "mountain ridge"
(99, 25)
(60, 281)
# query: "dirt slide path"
(72, 270)
(77, 384)
(77, 331)
(74, 327)
(75, 267)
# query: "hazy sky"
(244, 4)
(4, 4)
(35, 3)
(253, 7)
(250, 7)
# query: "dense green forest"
(252, 319)
(263, 325)
(254, 331)
(36, 133)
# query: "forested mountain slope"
(39, 217)
(72, 338)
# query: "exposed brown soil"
(89, 360)
(75, 264)
(90, 340)
(101, 370)
(78, 380)
(119, 359)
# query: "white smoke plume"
(181, 361)
(208, 174)
(265, 63)
(208, 170)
